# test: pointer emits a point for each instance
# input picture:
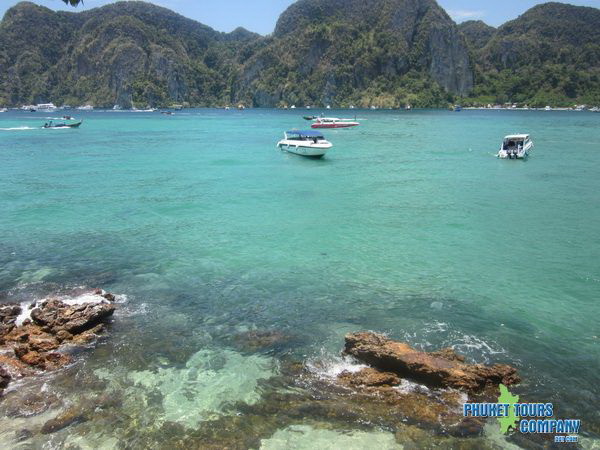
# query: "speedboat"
(3, 110)
(515, 146)
(51, 124)
(86, 108)
(46, 107)
(310, 117)
(457, 108)
(333, 122)
(306, 143)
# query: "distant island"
(363, 53)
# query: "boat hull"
(334, 125)
(65, 125)
(311, 151)
(519, 154)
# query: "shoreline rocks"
(30, 340)
(442, 369)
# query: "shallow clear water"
(409, 226)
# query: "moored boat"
(46, 107)
(305, 143)
(86, 108)
(51, 124)
(515, 146)
(3, 110)
(333, 122)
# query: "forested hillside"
(386, 53)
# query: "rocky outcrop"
(8, 317)
(34, 344)
(117, 54)
(323, 44)
(58, 317)
(443, 369)
(4, 379)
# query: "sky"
(260, 16)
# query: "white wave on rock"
(300, 437)
(211, 381)
(329, 367)
(85, 298)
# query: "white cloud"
(465, 14)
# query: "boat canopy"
(517, 137)
(305, 133)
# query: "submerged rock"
(28, 404)
(439, 369)
(369, 377)
(68, 417)
(260, 339)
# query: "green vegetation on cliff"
(386, 53)
(118, 54)
(548, 56)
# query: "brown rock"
(4, 379)
(15, 367)
(369, 377)
(449, 354)
(108, 296)
(63, 335)
(69, 417)
(56, 315)
(89, 335)
(430, 369)
(34, 359)
(21, 350)
(8, 315)
(467, 427)
(56, 360)
(43, 344)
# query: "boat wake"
(18, 129)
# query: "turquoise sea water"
(408, 226)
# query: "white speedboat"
(3, 110)
(515, 146)
(46, 107)
(306, 143)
